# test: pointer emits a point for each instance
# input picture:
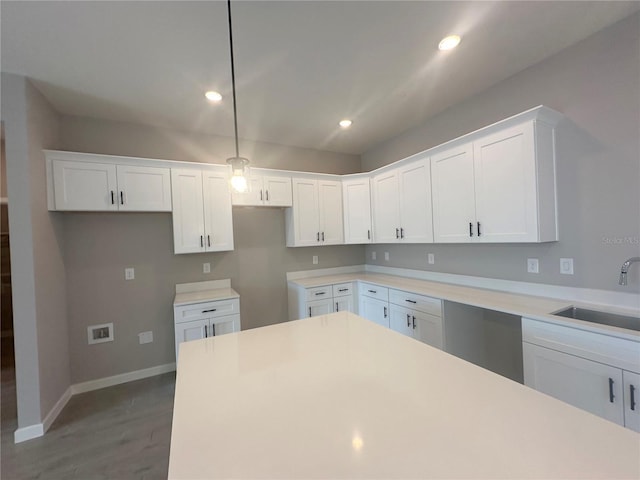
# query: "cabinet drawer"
(374, 291)
(318, 293)
(342, 289)
(422, 303)
(219, 308)
(617, 352)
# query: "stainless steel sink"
(603, 318)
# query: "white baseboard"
(34, 431)
(27, 433)
(121, 378)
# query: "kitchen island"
(338, 396)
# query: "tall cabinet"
(201, 210)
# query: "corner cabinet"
(202, 218)
(356, 202)
(592, 371)
(316, 215)
(401, 198)
(498, 188)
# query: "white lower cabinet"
(589, 370)
(322, 300)
(374, 303)
(196, 321)
(417, 316)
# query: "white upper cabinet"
(316, 215)
(356, 198)
(265, 190)
(201, 210)
(402, 204)
(498, 188)
(86, 186)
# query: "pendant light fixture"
(239, 165)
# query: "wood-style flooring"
(121, 432)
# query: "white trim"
(27, 433)
(610, 299)
(121, 378)
(321, 272)
(56, 409)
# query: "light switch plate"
(129, 273)
(533, 265)
(315, 259)
(373, 255)
(566, 266)
(386, 256)
(431, 258)
(206, 267)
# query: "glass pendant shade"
(239, 173)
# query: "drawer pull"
(343, 289)
(611, 395)
(320, 293)
(372, 291)
(632, 392)
(410, 301)
(207, 311)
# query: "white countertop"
(517, 304)
(338, 396)
(204, 296)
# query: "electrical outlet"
(373, 255)
(566, 266)
(145, 337)
(386, 256)
(315, 259)
(533, 265)
(206, 267)
(129, 273)
(431, 258)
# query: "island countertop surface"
(338, 396)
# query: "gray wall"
(596, 84)
(38, 273)
(99, 246)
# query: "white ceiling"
(300, 66)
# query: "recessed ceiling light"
(213, 96)
(345, 123)
(447, 43)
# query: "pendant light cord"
(233, 80)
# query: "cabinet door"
(386, 207)
(222, 325)
(357, 211)
(631, 386)
(187, 331)
(344, 304)
(427, 328)
(84, 186)
(306, 216)
(254, 194)
(415, 203)
(330, 203)
(277, 191)
(374, 310)
(453, 195)
(218, 222)
(505, 186)
(319, 307)
(588, 385)
(401, 320)
(144, 189)
(188, 215)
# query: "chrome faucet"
(625, 269)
